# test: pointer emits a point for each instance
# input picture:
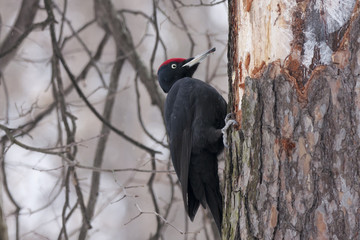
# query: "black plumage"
(194, 117)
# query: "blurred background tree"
(83, 146)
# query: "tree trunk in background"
(24, 20)
(3, 225)
(293, 168)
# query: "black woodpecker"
(194, 117)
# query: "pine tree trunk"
(293, 167)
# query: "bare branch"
(95, 169)
(9, 194)
(6, 93)
(154, 200)
(9, 135)
(79, 91)
(184, 25)
(66, 39)
(65, 206)
(121, 11)
(201, 3)
(100, 149)
(27, 127)
(141, 212)
(62, 20)
(107, 18)
(82, 43)
(140, 118)
(157, 35)
(22, 27)
(68, 122)
(3, 225)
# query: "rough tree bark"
(292, 170)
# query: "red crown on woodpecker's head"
(172, 60)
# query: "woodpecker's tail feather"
(193, 203)
(214, 201)
(203, 187)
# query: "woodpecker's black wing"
(194, 115)
(178, 119)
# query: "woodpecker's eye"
(173, 66)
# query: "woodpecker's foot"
(229, 121)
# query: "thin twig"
(172, 197)
(154, 200)
(62, 21)
(140, 118)
(85, 47)
(9, 135)
(184, 25)
(141, 212)
(121, 11)
(95, 169)
(201, 4)
(157, 35)
(86, 25)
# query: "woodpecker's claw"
(229, 121)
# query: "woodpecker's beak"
(199, 58)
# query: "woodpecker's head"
(176, 68)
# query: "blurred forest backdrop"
(80, 102)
